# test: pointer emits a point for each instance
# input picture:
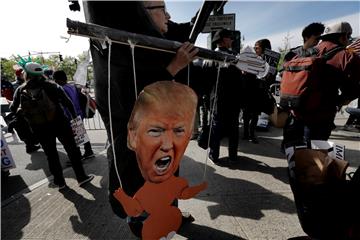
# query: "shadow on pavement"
(11, 227)
(199, 232)
(237, 197)
(12, 185)
(250, 164)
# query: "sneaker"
(62, 187)
(58, 186)
(88, 179)
(87, 155)
(32, 148)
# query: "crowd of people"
(42, 106)
(221, 99)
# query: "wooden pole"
(123, 37)
(201, 19)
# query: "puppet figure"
(159, 131)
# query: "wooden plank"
(123, 37)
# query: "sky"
(40, 25)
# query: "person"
(226, 102)
(48, 121)
(19, 79)
(7, 89)
(16, 121)
(251, 106)
(259, 48)
(145, 17)
(159, 133)
(341, 86)
(48, 74)
(320, 207)
(353, 121)
(311, 37)
(71, 91)
(253, 90)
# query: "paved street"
(250, 199)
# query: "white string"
(132, 46)
(110, 115)
(212, 109)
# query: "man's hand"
(184, 55)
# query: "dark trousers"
(225, 125)
(297, 132)
(250, 122)
(87, 147)
(47, 134)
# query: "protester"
(73, 93)
(150, 18)
(226, 101)
(253, 92)
(19, 79)
(340, 85)
(321, 204)
(17, 121)
(48, 74)
(48, 120)
(311, 37)
(7, 89)
(353, 121)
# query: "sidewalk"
(250, 199)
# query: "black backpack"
(37, 106)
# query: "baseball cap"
(342, 27)
(34, 69)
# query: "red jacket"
(340, 84)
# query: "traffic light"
(60, 57)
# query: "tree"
(53, 62)
(285, 49)
(7, 70)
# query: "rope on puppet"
(212, 109)
(132, 46)
(109, 41)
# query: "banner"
(80, 75)
(7, 161)
(272, 58)
(80, 135)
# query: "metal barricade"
(94, 123)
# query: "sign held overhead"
(216, 22)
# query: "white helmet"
(34, 69)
